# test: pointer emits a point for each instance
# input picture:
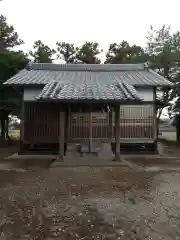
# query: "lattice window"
(137, 114)
(135, 122)
(121, 112)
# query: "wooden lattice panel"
(79, 125)
(41, 123)
(100, 125)
(135, 122)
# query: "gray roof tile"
(118, 91)
(133, 74)
(87, 67)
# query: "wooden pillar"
(22, 117)
(66, 127)
(155, 121)
(177, 119)
(117, 132)
(61, 134)
(111, 125)
(90, 129)
(68, 121)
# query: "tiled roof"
(133, 74)
(116, 91)
(86, 67)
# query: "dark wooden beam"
(66, 123)
(90, 129)
(155, 120)
(111, 125)
(22, 117)
(69, 121)
(117, 132)
(61, 133)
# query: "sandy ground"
(89, 203)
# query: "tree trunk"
(178, 128)
(7, 129)
(4, 117)
(158, 119)
(3, 124)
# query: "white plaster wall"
(139, 111)
(146, 94)
(30, 94)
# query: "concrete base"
(136, 162)
(73, 160)
(144, 156)
(17, 156)
(89, 163)
(73, 157)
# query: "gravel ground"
(89, 203)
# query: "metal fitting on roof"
(147, 65)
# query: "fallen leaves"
(56, 204)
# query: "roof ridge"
(85, 67)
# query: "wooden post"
(177, 119)
(66, 128)
(155, 121)
(22, 113)
(111, 125)
(117, 132)
(66, 123)
(61, 134)
(69, 121)
(90, 130)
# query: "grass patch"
(15, 134)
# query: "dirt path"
(89, 203)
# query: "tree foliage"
(88, 53)
(66, 52)
(163, 50)
(9, 38)
(10, 63)
(124, 53)
(42, 53)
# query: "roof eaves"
(168, 83)
(129, 91)
(118, 91)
